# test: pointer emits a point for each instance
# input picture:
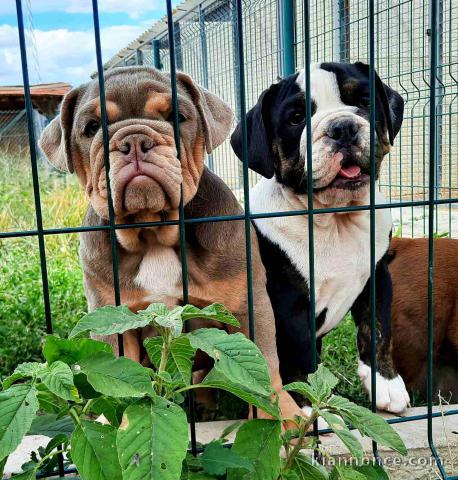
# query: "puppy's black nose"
(133, 145)
(344, 131)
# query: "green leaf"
(229, 429)
(108, 320)
(116, 377)
(155, 309)
(49, 402)
(303, 389)
(372, 472)
(259, 441)
(50, 426)
(18, 406)
(368, 423)
(322, 382)
(171, 321)
(179, 364)
(215, 379)
(152, 440)
(93, 449)
(107, 407)
(216, 459)
(346, 473)
(342, 431)
(58, 377)
(72, 351)
(215, 311)
(2, 466)
(160, 316)
(24, 370)
(27, 475)
(236, 357)
(306, 468)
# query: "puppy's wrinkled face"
(145, 172)
(340, 131)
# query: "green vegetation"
(22, 319)
(144, 434)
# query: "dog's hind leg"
(391, 393)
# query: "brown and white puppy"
(145, 180)
(409, 273)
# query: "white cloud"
(135, 10)
(132, 8)
(63, 55)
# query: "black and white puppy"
(277, 149)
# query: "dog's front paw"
(392, 395)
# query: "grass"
(22, 320)
(340, 355)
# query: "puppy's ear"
(216, 115)
(393, 103)
(259, 136)
(55, 138)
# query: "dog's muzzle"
(145, 173)
(345, 136)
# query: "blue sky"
(63, 37)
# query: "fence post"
(286, 28)
(138, 57)
(440, 99)
(341, 30)
(179, 53)
(156, 55)
(236, 60)
(203, 47)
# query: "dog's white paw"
(307, 409)
(392, 395)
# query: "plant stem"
(75, 417)
(164, 358)
(303, 429)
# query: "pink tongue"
(351, 171)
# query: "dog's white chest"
(341, 243)
(159, 274)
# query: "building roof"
(44, 89)
(45, 97)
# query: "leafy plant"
(116, 419)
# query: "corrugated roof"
(158, 29)
(44, 89)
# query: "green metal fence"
(239, 47)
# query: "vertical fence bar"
(236, 62)
(204, 50)
(310, 216)
(36, 184)
(156, 54)
(287, 24)
(373, 286)
(138, 57)
(246, 184)
(341, 30)
(106, 159)
(433, 151)
(176, 131)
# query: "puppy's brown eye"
(181, 118)
(297, 118)
(364, 102)
(91, 128)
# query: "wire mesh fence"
(338, 31)
(238, 48)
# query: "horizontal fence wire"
(237, 48)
